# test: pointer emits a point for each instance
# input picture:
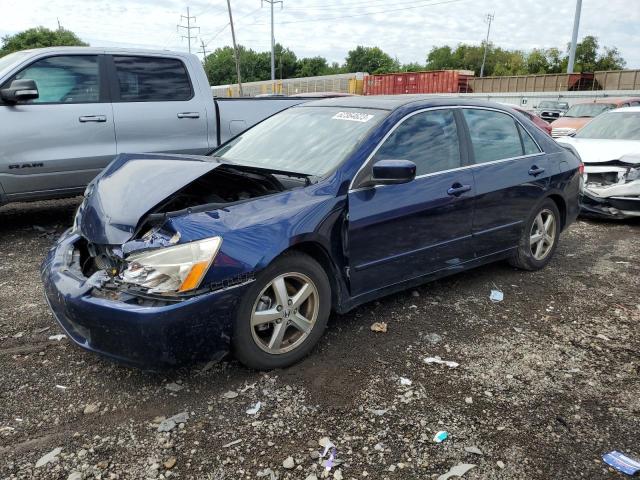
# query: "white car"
(609, 146)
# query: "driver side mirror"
(391, 172)
(20, 91)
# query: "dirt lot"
(547, 379)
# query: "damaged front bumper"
(607, 192)
(128, 329)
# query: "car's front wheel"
(283, 314)
(539, 238)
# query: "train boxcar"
(438, 81)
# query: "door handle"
(535, 171)
(92, 118)
(458, 189)
(189, 115)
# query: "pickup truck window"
(64, 79)
(152, 79)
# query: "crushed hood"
(594, 151)
(129, 188)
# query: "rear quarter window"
(494, 135)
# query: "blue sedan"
(320, 208)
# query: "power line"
(342, 6)
(489, 19)
(341, 17)
(188, 28)
(227, 24)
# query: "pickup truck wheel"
(539, 238)
(283, 314)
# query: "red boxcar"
(438, 81)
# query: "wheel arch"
(320, 254)
(561, 203)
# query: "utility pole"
(188, 28)
(59, 25)
(489, 19)
(204, 50)
(574, 37)
(273, 40)
(236, 54)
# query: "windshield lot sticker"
(352, 116)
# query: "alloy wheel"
(543, 234)
(284, 313)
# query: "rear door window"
(429, 139)
(494, 135)
(63, 79)
(530, 147)
(152, 79)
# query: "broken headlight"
(172, 269)
(633, 174)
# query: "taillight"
(581, 168)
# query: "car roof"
(625, 110)
(103, 50)
(393, 102)
(613, 100)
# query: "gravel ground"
(547, 380)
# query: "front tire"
(539, 238)
(283, 314)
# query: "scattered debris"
(378, 412)
(231, 444)
(61, 387)
(405, 381)
(49, 457)
(7, 429)
(439, 361)
(58, 337)
(289, 463)
(173, 387)
(18, 335)
(518, 329)
(474, 450)
(337, 475)
(434, 338)
(621, 462)
(230, 394)
(415, 293)
(171, 422)
(441, 436)
(75, 476)
(255, 409)
(41, 330)
(603, 337)
(496, 296)
(91, 408)
(267, 472)
(500, 464)
(457, 471)
(468, 400)
(379, 327)
(169, 463)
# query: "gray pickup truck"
(66, 112)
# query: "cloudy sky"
(406, 29)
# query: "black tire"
(244, 343)
(523, 257)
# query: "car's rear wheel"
(539, 238)
(283, 314)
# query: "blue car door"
(401, 232)
(511, 175)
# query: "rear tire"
(539, 238)
(283, 314)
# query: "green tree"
(441, 58)
(315, 66)
(39, 37)
(537, 61)
(610, 59)
(412, 67)
(370, 60)
(286, 62)
(586, 54)
(220, 66)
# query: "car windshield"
(588, 109)
(306, 140)
(551, 105)
(613, 126)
